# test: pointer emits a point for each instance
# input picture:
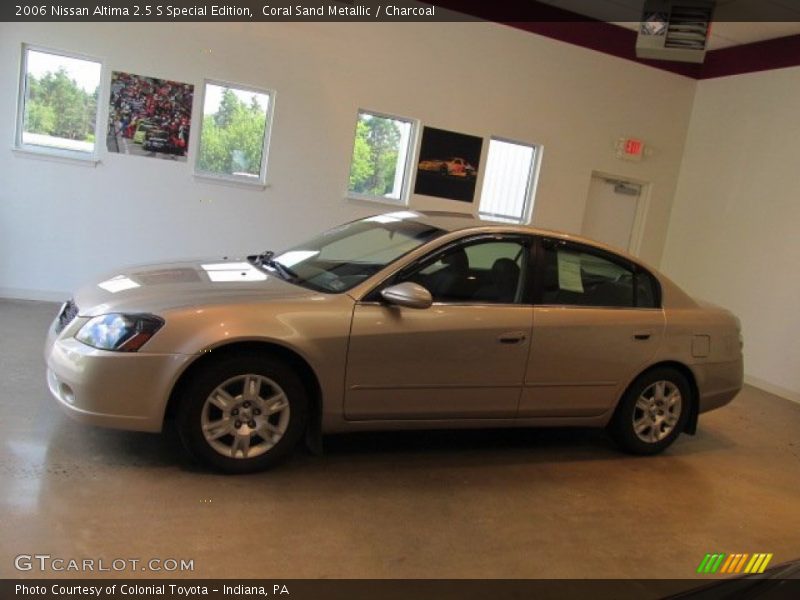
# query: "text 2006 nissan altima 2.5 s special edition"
(398, 321)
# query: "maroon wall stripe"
(606, 38)
(750, 58)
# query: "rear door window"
(577, 275)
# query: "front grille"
(68, 312)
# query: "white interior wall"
(61, 224)
(733, 237)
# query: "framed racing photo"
(149, 117)
(448, 164)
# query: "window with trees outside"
(380, 165)
(234, 133)
(509, 181)
(58, 103)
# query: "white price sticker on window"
(569, 272)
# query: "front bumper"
(110, 389)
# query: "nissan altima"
(403, 320)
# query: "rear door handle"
(642, 335)
(512, 337)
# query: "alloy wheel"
(245, 416)
(657, 411)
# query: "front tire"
(242, 413)
(653, 412)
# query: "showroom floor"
(516, 504)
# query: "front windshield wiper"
(265, 259)
(284, 271)
(260, 258)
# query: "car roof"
(456, 221)
(452, 221)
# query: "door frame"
(642, 207)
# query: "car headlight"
(119, 332)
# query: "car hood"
(158, 287)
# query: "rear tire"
(653, 412)
(242, 413)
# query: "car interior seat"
(504, 282)
(448, 283)
(612, 293)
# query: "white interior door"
(611, 211)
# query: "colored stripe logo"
(734, 563)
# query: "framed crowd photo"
(149, 116)
(448, 164)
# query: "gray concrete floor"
(516, 504)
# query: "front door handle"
(642, 335)
(512, 337)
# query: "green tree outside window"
(377, 155)
(233, 132)
(58, 107)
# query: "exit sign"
(630, 149)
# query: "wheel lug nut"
(246, 405)
(257, 412)
(237, 424)
(235, 412)
(252, 424)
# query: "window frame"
(530, 187)
(411, 153)
(225, 178)
(529, 275)
(655, 286)
(92, 157)
(635, 268)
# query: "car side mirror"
(408, 294)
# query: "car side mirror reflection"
(408, 294)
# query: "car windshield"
(343, 257)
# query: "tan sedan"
(398, 321)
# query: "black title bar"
(395, 589)
(503, 11)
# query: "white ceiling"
(723, 33)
